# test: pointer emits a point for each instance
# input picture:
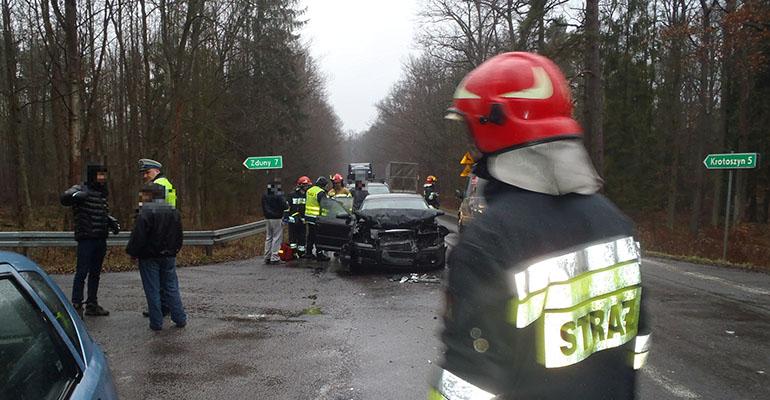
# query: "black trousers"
(311, 238)
(297, 233)
(90, 257)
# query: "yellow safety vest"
(312, 207)
(170, 192)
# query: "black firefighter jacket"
(543, 298)
(157, 231)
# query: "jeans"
(159, 278)
(273, 237)
(89, 264)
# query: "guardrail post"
(209, 250)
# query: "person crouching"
(155, 241)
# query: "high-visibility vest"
(312, 207)
(170, 192)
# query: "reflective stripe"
(573, 292)
(433, 394)
(312, 207)
(642, 343)
(566, 337)
(448, 386)
(585, 301)
(562, 268)
(637, 361)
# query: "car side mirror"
(459, 194)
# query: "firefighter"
(315, 195)
(338, 189)
(544, 297)
(151, 173)
(295, 217)
(430, 192)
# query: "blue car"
(45, 350)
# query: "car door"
(41, 362)
(332, 232)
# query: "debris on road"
(416, 278)
(730, 332)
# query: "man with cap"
(92, 222)
(544, 298)
(151, 173)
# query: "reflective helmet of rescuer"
(337, 178)
(515, 99)
(517, 109)
(322, 181)
(430, 179)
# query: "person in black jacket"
(273, 206)
(155, 242)
(544, 298)
(92, 223)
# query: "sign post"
(729, 161)
(266, 162)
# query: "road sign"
(467, 159)
(266, 162)
(731, 161)
(467, 171)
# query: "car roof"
(393, 196)
(18, 262)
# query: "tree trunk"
(593, 97)
(70, 27)
(704, 115)
(15, 126)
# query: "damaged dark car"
(390, 230)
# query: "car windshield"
(399, 203)
(374, 188)
(335, 206)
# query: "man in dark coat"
(92, 223)
(155, 242)
(273, 206)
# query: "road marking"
(672, 387)
(747, 289)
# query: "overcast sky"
(360, 46)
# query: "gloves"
(291, 220)
(80, 195)
(114, 225)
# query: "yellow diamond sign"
(467, 159)
(467, 171)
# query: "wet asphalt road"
(252, 335)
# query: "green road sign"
(267, 162)
(731, 161)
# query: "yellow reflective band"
(448, 386)
(568, 336)
(562, 268)
(637, 361)
(435, 395)
(572, 292)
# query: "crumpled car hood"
(396, 218)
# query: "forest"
(200, 85)
(657, 85)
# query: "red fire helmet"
(513, 100)
(304, 180)
(337, 178)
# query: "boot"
(96, 310)
(78, 309)
(321, 257)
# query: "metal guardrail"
(26, 239)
